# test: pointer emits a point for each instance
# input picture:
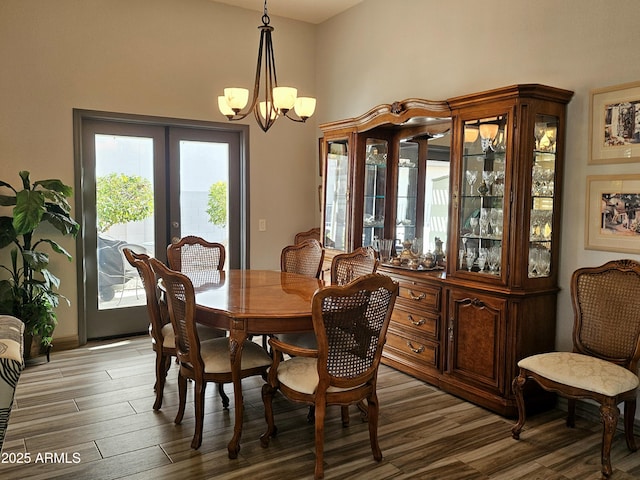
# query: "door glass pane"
(124, 215)
(335, 221)
(542, 191)
(481, 220)
(375, 186)
(204, 191)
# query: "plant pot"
(34, 351)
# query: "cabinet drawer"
(420, 296)
(425, 322)
(419, 351)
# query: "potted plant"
(29, 289)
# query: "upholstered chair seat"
(582, 371)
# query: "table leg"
(237, 337)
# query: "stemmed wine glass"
(539, 132)
(472, 176)
(488, 177)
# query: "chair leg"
(267, 399)
(321, 410)
(311, 415)
(516, 387)
(372, 417)
(223, 396)
(609, 415)
(198, 395)
(182, 398)
(629, 416)
(571, 413)
(162, 365)
(345, 415)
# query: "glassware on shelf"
(484, 222)
(383, 246)
(488, 132)
(471, 176)
(473, 223)
(494, 258)
(482, 260)
(551, 133)
(471, 256)
(488, 177)
(539, 132)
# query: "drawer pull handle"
(413, 296)
(419, 323)
(414, 349)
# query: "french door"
(144, 183)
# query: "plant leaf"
(7, 201)
(7, 232)
(57, 248)
(28, 211)
(36, 260)
(55, 185)
(62, 222)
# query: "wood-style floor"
(87, 415)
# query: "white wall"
(169, 58)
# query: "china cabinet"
(463, 323)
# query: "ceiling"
(311, 11)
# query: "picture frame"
(614, 135)
(613, 213)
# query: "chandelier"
(275, 101)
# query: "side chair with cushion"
(304, 258)
(201, 360)
(346, 267)
(160, 328)
(192, 254)
(351, 324)
(603, 365)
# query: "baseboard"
(65, 343)
(591, 411)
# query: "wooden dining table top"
(259, 297)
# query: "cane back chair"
(304, 258)
(606, 347)
(351, 324)
(313, 233)
(160, 328)
(201, 361)
(192, 254)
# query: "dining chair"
(313, 233)
(606, 347)
(201, 361)
(160, 328)
(351, 324)
(304, 258)
(346, 267)
(192, 254)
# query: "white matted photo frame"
(613, 213)
(614, 136)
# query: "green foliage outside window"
(217, 204)
(122, 198)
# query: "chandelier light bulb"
(284, 98)
(305, 106)
(237, 98)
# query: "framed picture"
(613, 213)
(614, 136)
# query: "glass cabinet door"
(542, 192)
(375, 187)
(407, 198)
(482, 190)
(336, 195)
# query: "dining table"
(248, 303)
